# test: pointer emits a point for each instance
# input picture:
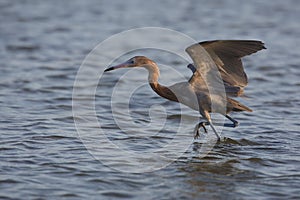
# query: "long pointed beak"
(109, 69)
(123, 65)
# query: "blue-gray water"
(43, 44)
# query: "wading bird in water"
(218, 74)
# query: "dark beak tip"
(108, 69)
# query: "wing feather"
(226, 56)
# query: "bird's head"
(137, 61)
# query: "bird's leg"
(207, 116)
(202, 124)
(215, 131)
(196, 129)
(235, 123)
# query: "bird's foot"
(235, 123)
(232, 125)
(197, 127)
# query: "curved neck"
(161, 90)
(153, 73)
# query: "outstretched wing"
(206, 76)
(226, 56)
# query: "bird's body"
(218, 75)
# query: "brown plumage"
(218, 74)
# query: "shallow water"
(42, 156)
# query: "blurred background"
(42, 45)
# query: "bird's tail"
(234, 91)
(233, 105)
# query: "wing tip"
(254, 42)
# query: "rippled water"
(43, 44)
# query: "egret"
(202, 91)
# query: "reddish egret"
(226, 56)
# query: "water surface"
(43, 44)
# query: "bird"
(217, 77)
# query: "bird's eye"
(132, 61)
